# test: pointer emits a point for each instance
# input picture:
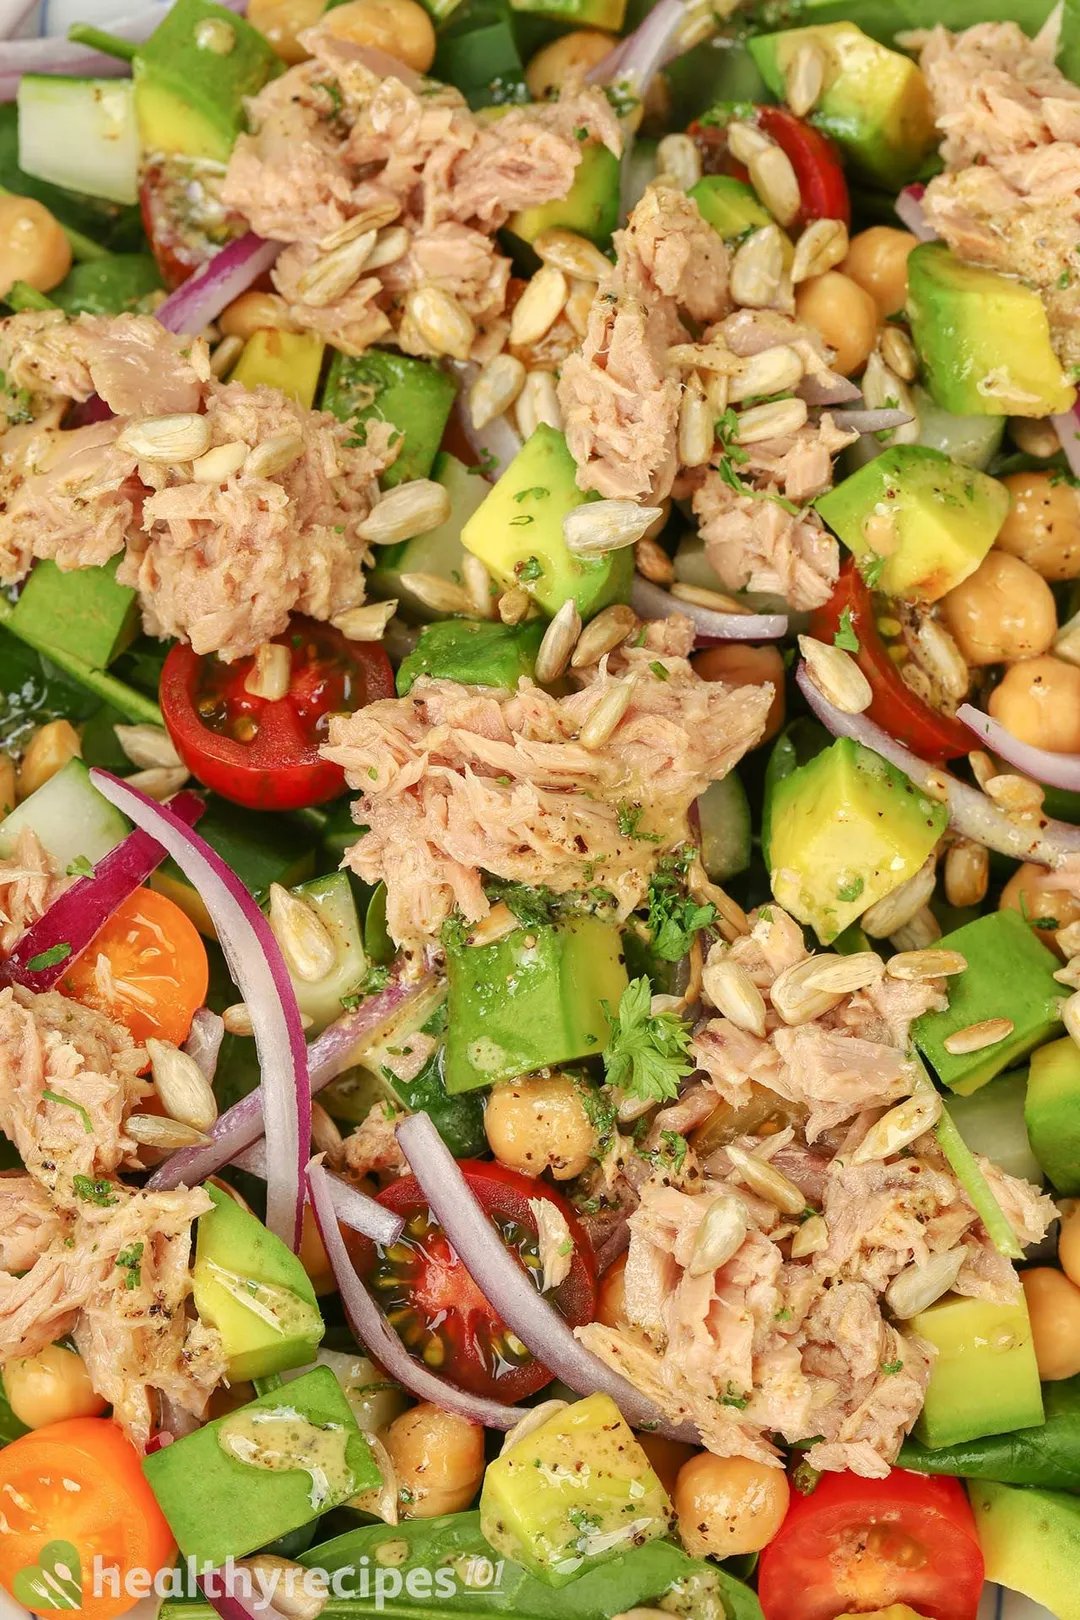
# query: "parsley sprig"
(674, 918)
(646, 1054)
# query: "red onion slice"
(637, 59)
(240, 1130)
(364, 1215)
(970, 812)
(1067, 426)
(509, 1289)
(1055, 770)
(909, 208)
(828, 388)
(13, 13)
(78, 915)
(882, 420)
(204, 1041)
(203, 296)
(258, 969)
(375, 1333)
(651, 601)
(225, 1590)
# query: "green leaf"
(845, 637)
(1048, 1455)
(965, 1167)
(646, 1054)
(47, 959)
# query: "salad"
(540, 838)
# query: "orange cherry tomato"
(74, 1493)
(155, 974)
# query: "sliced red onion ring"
(637, 59)
(876, 421)
(13, 13)
(258, 969)
(201, 298)
(226, 1592)
(1067, 426)
(510, 1290)
(828, 388)
(653, 602)
(364, 1215)
(375, 1333)
(498, 442)
(1047, 842)
(204, 1040)
(78, 915)
(241, 1128)
(1055, 770)
(909, 208)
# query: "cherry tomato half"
(185, 226)
(862, 1544)
(895, 707)
(156, 974)
(264, 753)
(435, 1306)
(74, 1492)
(818, 169)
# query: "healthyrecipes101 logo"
(57, 1580)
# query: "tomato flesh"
(858, 1545)
(157, 969)
(264, 753)
(185, 223)
(935, 737)
(435, 1307)
(74, 1492)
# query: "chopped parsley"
(532, 907)
(47, 959)
(600, 1111)
(891, 1367)
(537, 492)
(622, 99)
(850, 890)
(732, 1398)
(522, 521)
(629, 818)
(69, 1102)
(94, 1192)
(660, 670)
(870, 567)
(671, 1154)
(646, 1053)
(845, 637)
(487, 466)
(17, 403)
(530, 569)
(79, 867)
(376, 978)
(129, 1260)
(804, 1478)
(674, 917)
(1064, 279)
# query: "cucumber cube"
(81, 134)
(412, 394)
(70, 817)
(331, 899)
(80, 610)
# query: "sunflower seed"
(226, 354)
(733, 992)
(710, 357)
(843, 975)
(538, 404)
(154, 1131)
(560, 639)
(539, 306)
(982, 766)
(746, 140)
(331, 276)
(899, 1127)
(653, 563)
(167, 439)
(270, 672)
(371, 218)
(391, 245)
(606, 714)
(919, 934)
(597, 527)
(679, 157)
(438, 594)
(325, 1136)
(304, 939)
(776, 420)
(479, 587)
(237, 1019)
(218, 465)
(898, 353)
(441, 321)
(901, 904)
(720, 1236)
(499, 923)
(757, 270)
(811, 1238)
(836, 675)
(147, 746)
(794, 1000)
(1017, 795)
(1070, 1016)
(774, 179)
(579, 305)
(1034, 436)
(821, 246)
(185, 1092)
(495, 389)
(967, 873)
(366, 623)
(926, 964)
(917, 1287)
(715, 601)
(697, 429)
(406, 511)
(1068, 940)
(973, 1037)
(772, 371)
(574, 255)
(1067, 641)
(513, 605)
(768, 1182)
(603, 634)
(942, 659)
(804, 78)
(273, 456)
(160, 782)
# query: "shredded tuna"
(756, 542)
(373, 1146)
(29, 883)
(457, 781)
(28, 1221)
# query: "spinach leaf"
(1047, 1456)
(109, 286)
(33, 691)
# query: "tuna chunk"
(28, 1221)
(456, 781)
(755, 543)
(29, 883)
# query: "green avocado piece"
(940, 520)
(308, 1456)
(517, 531)
(609, 14)
(591, 206)
(249, 1286)
(534, 1000)
(1052, 1113)
(845, 829)
(1030, 1542)
(439, 551)
(983, 339)
(984, 1378)
(732, 208)
(1046, 1454)
(1009, 974)
(289, 361)
(413, 395)
(189, 94)
(874, 104)
(111, 285)
(574, 1493)
(80, 610)
(476, 652)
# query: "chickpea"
(1053, 1304)
(33, 247)
(569, 56)
(667, 1457)
(253, 312)
(1042, 527)
(741, 665)
(538, 1124)
(49, 750)
(1069, 1241)
(50, 1387)
(1039, 702)
(728, 1505)
(845, 315)
(401, 28)
(1001, 612)
(438, 1458)
(877, 260)
(282, 20)
(1025, 893)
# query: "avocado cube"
(983, 339)
(534, 1000)
(1030, 1540)
(845, 829)
(476, 652)
(984, 1378)
(289, 361)
(590, 207)
(189, 96)
(610, 14)
(78, 610)
(254, 1290)
(1052, 1113)
(518, 532)
(874, 104)
(1009, 974)
(941, 518)
(439, 551)
(575, 1492)
(219, 1506)
(732, 208)
(413, 395)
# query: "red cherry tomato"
(183, 226)
(896, 708)
(436, 1307)
(816, 162)
(860, 1545)
(264, 753)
